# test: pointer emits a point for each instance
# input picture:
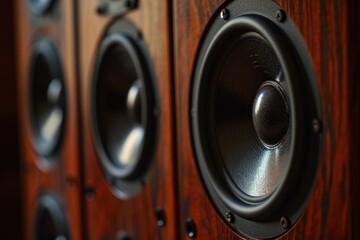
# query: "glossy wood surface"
(106, 214)
(64, 177)
(330, 30)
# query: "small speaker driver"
(47, 97)
(50, 222)
(123, 105)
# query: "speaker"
(264, 104)
(127, 116)
(48, 108)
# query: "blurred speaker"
(47, 99)
(50, 220)
(123, 108)
(127, 119)
(264, 119)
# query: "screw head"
(280, 15)
(284, 223)
(160, 217)
(102, 8)
(229, 217)
(224, 14)
(190, 228)
(316, 124)
(89, 192)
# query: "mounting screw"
(89, 192)
(190, 228)
(280, 15)
(160, 217)
(284, 223)
(102, 8)
(316, 124)
(229, 217)
(224, 14)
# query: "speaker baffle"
(123, 105)
(253, 99)
(50, 222)
(40, 7)
(47, 97)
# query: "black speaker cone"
(47, 100)
(247, 139)
(252, 104)
(123, 109)
(50, 221)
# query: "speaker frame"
(101, 203)
(262, 220)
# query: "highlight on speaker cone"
(123, 104)
(50, 220)
(40, 7)
(47, 97)
(253, 101)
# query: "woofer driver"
(253, 101)
(47, 97)
(123, 108)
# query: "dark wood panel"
(64, 177)
(107, 214)
(9, 164)
(331, 36)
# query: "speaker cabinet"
(267, 116)
(47, 97)
(127, 131)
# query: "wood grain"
(332, 37)
(106, 214)
(63, 178)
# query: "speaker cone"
(40, 7)
(50, 221)
(253, 101)
(47, 100)
(123, 109)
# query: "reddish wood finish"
(64, 177)
(106, 215)
(330, 30)
(9, 164)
